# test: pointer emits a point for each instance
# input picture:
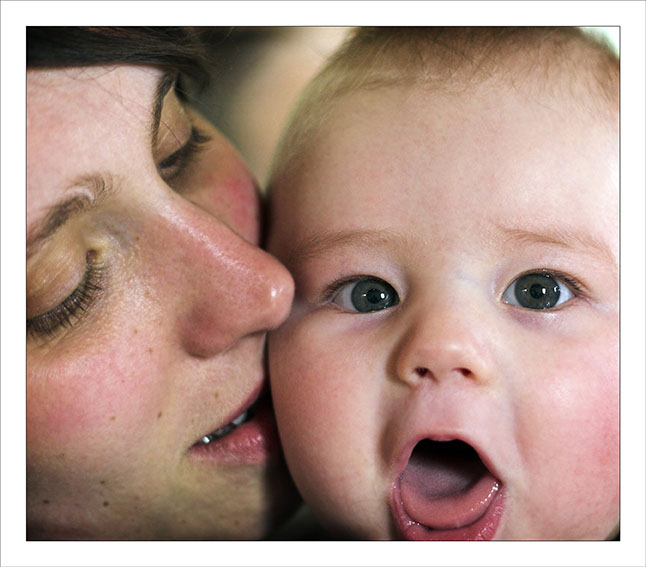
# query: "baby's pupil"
(537, 291)
(371, 295)
(375, 295)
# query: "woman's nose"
(225, 288)
(444, 343)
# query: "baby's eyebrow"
(325, 242)
(322, 243)
(562, 237)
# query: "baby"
(447, 201)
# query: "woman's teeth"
(218, 434)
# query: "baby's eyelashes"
(362, 294)
(541, 290)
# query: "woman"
(148, 301)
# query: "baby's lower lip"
(483, 527)
(446, 492)
(253, 442)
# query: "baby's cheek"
(302, 398)
(326, 418)
(570, 440)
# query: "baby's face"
(450, 367)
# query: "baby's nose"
(443, 343)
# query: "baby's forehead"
(445, 122)
(474, 159)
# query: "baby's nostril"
(464, 371)
(421, 371)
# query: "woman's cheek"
(233, 196)
(108, 389)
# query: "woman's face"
(147, 306)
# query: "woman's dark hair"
(180, 48)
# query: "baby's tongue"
(445, 485)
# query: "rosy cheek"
(233, 196)
(599, 402)
(570, 432)
(244, 206)
(93, 394)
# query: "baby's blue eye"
(366, 295)
(537, 291)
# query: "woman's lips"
(446, 493)
(243, 443)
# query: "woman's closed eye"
(174, 165)
(70, 310)
(363, 294)
(542, 289)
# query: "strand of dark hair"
(180, 48)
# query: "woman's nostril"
(421, 371)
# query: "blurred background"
(259, 73)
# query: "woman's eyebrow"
(60, 213)
(164, 85)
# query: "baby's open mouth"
(447, 492)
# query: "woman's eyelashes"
(362, 294)
(542, 289)
(173, 166)
(70, 310)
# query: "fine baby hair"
(454, 59)
(446, 200)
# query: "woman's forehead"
(74, 89)
(84, 121)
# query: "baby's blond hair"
(561, 60)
